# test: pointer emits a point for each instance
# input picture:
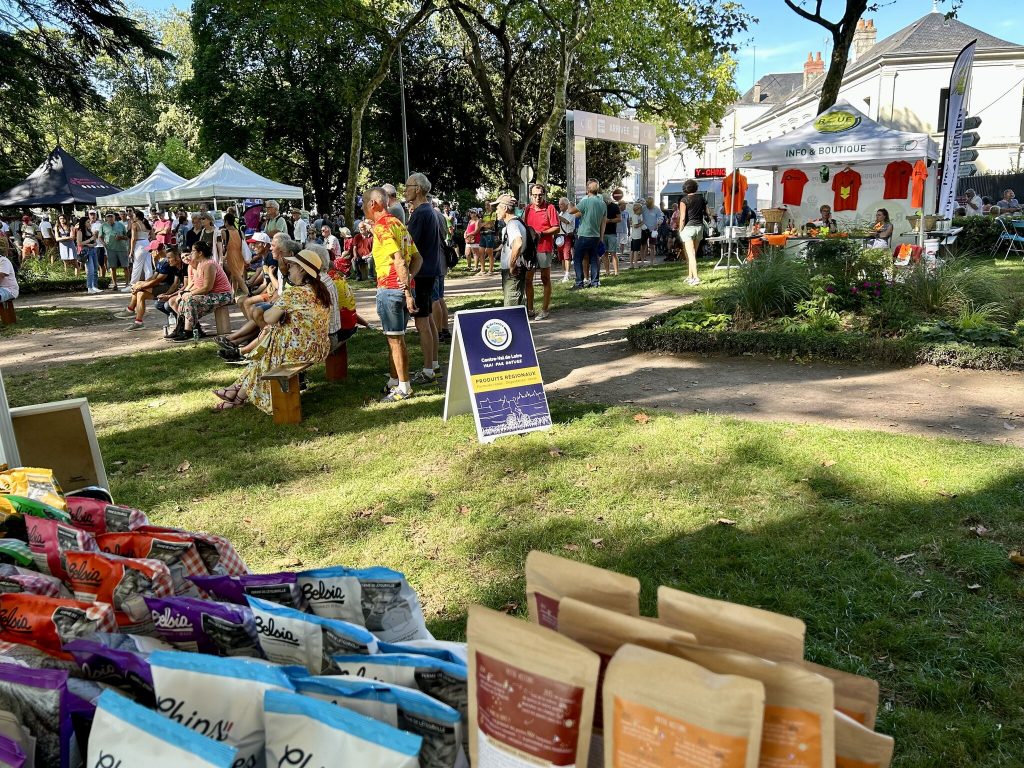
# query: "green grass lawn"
(893, 549)
(50, 318)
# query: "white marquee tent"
(229, 179)
(144, 193)
(843, 137)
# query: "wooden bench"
(7, 316)
(285, 396)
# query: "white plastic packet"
(218, 697)
(304, 732)
(288, 636)
(378, 598)
(127, 734)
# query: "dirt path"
(584, 356)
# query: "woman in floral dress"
(296, 332)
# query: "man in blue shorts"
(593, 213)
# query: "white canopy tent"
(229, 179)
(842, 137)
(143, 193)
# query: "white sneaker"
(565, 278)
(126, 289)
(541, 316)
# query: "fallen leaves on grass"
(463, 509)
(725, 521)
(946, 494)
(917, 595)
(184, 466)
(904, 558)
(974, 587)
(510, 607)
(1008, 426)
(641, 418)
(979, 530)
(388, 519)
(571, 547)
(828, 463)
(1017, 558)
(287, 562)
(555, 452)
(598, 543)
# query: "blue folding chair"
(1010, 238)
(1016, 244)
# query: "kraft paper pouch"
(40, 700)
(531, 694)
(50, 539)
(730, 625)
(856, 696)
(33, 483)
(15, 579)
(549, 578)
(280, 588)
(46, 623)
(127, 734)
(799, 729)
(122, 582)
(410, 710)
(665, 711)
(604, 632)
(305, 732)
(11, 754)
(176, 551)
(378, 598)
(288, 636)
(221, 698)
(860, 747)
(100, 516)
(204, 626)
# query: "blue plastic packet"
(127, 734)
(288, 636)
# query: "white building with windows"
(901, 82)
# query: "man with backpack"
(542, 218)
(514, 243)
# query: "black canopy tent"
(60, 180)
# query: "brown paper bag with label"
(549, 578)
(860, 747)
(665, 711)
(730, 625)
(799, 726)
(856, 696)
(531, 694)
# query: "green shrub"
(696, 320)
(947, 289)
(979, 235)
(771, 285)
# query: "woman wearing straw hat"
(296, 332)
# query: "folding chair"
(1017, 243)
(1011, 239)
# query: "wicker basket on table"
(773, 215)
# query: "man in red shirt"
(541, 215)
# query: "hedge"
(651, 336)
(66, 285)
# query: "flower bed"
(845, 303)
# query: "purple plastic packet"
(39, 698)
(282, 588)
(11, 755)
(15, 579)
(203, 626)
(122, 669)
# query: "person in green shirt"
(275, 221)
(593, 213)
(115, 236)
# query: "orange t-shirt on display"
(917, 187)
(730, 204)
(793, 182)
(897, 177)
(846, 185)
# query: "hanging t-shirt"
(793, 182)
(846, 185)
(738, 182)
(919, 177)
(897, 177)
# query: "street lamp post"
(405, 131)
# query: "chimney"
(813, 68)
(864, 39)
(757, 93)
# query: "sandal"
(228, 404)
(224, 395)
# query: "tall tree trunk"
(554, 121)
(359, 109)
(842, 39)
